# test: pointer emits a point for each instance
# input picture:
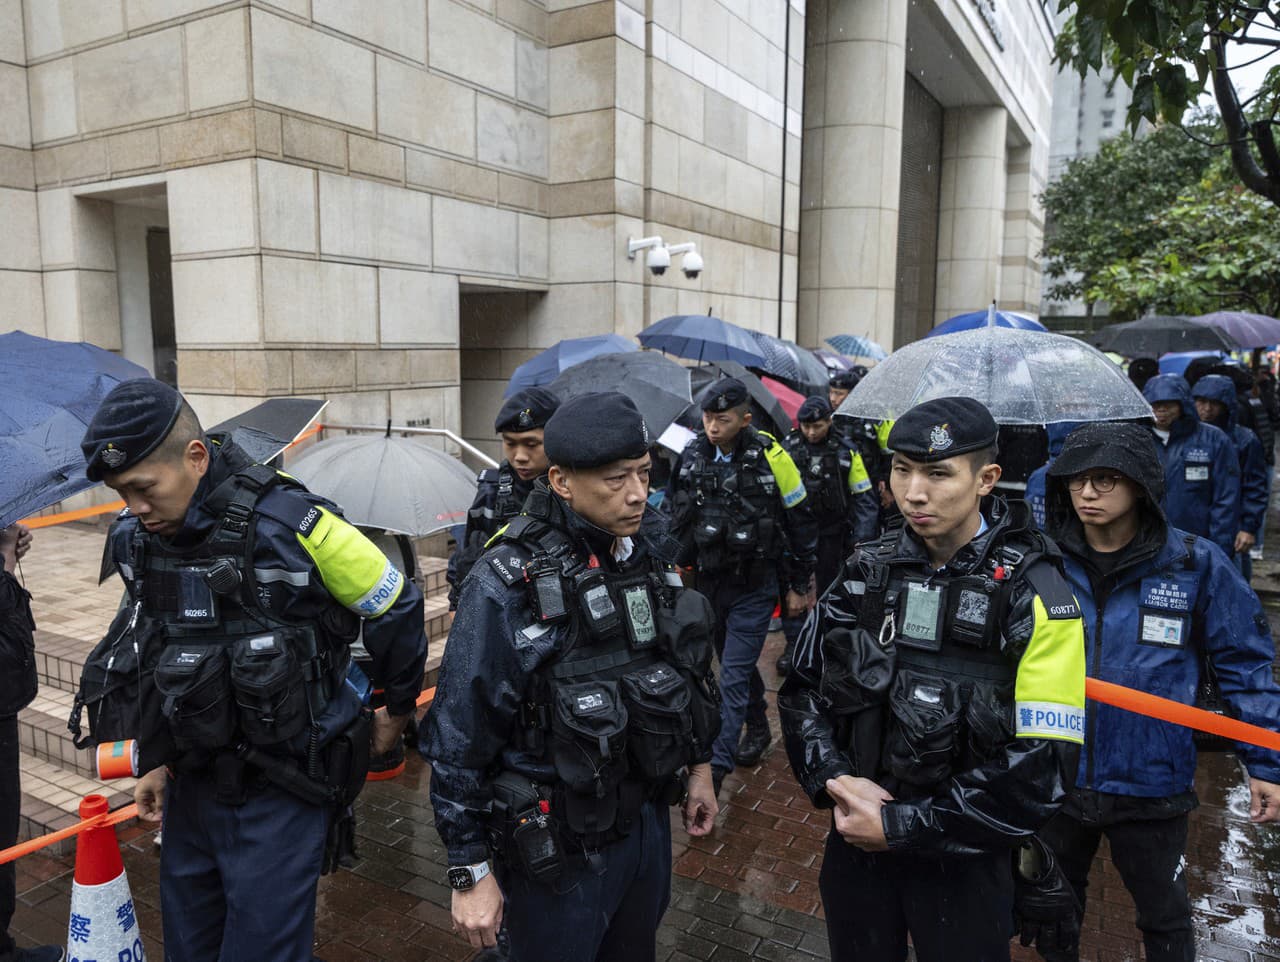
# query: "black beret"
(815, 408)
(130, 423)
(726, 393)
(943, 428)
(844, 380)
(526, 410)
(594, 429)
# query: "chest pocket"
(1164, 610)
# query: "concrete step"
(51, 798)
(42, 732)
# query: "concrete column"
(971, 210)
(852, 153)
(1023, 233)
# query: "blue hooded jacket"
(1201, 469)
(1253, 462)
(1034, 495)
(1169, 598)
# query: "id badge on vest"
(641, 626)
(1164, 611)
(922, 616)
(197, 604)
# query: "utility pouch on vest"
(970, 612)
(525, 833)
(588, 737)
(659, 730)
(920, 748)
(856, 670)
(118, 688)
(268, 685)
(346, 760)
(743, 536)
(987, 723)
(195, 682)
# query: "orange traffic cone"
(103, 923)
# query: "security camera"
(692, 263)
(657, 260)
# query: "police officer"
(741, 510)
(844, 505)
(1201, 469)
(245, 591)
(574, 690)
(1162, 609)
(17, 688)
(936, 704)
(500, 491)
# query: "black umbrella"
(658, 386)
(266, 429)
(1160, 334)
(766, 411)
(788, 362)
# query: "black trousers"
(954, 909)
(1150, 855)
(10, 813)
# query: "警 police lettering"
(383, 594)
(1050, 720)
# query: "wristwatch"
(463, 878)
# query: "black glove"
(1046, 913)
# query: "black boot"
(783, 664)
(751, 748)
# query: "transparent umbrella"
(1023, 377)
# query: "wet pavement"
(749, 891)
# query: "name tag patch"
(1171, 594)
(1044, 719)
(1196, 472)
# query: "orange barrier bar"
(71, 831)
(112, 818)
(1153, 706)
(62, 517)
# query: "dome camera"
(692, 262)
(658, 260)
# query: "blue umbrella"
(1176, 362)
(855, 346)
(701, 337)
(547, 366)
(49, 391)
(976, 319)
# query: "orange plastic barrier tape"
(98, 821)
(112, 818)
(62, 517)
(1154, 706)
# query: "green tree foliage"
(1099, 212)
(1171, 51)
(1215, 247)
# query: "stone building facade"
(392, 203)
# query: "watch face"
(460, 878)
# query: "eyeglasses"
(1102, 483)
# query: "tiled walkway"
(747, 892)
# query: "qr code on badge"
(972, 607)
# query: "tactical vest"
(826, 476)
(737, 514)
(923, 687)
(505, 507)
(628, 699)
(230, 671)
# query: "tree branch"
(1237, 126)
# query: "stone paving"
(749, 891)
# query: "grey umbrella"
(1023, 377)
(400, 484)
(658, 386)
(786, 361)
(1161, 334)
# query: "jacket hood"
(1216, 387)
(1058, 434)
(1126, 448)
(1171, 387)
